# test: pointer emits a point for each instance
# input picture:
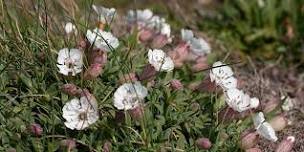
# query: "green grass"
(30, 91)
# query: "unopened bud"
(249, 140)
(69, 28)
(253, 150)
(148, 73)
(206, 86)
(286, 145)
(71, 89)
(179, 54)
(279, 122)
(159, 41)
(176, 84)
(203, 143)
(98, 56)
(137, 113)
(128, 78)
(200, 64)
(119, 116)
(36, 129)
(145, 35)
(271, 105)
(93, 71)
(68, 143)
(83, 44)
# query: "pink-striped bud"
(71, 89)
(203, 143)
(145, 35)
(98, 56)
(286, 145)
(206, 86)
(249, 140)
(148, 73)
(127, 78)
(200, 64)
(93, 72)
(83, 44)
(107, 146)
(36, 129)
(279, 122)
(176, 84)
(271, 105)
(253, 150)
(179, 54)
(159, 41)
(137, 113)
(69, 144)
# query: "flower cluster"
(82, 111)
(151, 27)
(222, 75)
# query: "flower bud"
(93, 72)
(179, 54)
(249, 140)
(271, 105)
(71, 89)
(127, 78)
(206, 86)
(176, 84)
(279, 122)
(200, 64)
(119, 116)
(159, 41)
(286, 145)
(83, 44)
(68, 143)
(36, 129)
(106, 146)
(69, 28)
(148, 73)
(137, 113)
(98, 56)
(145, 35)
(253, 150)
(203, 143)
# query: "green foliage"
(265, 28)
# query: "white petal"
(187, 35)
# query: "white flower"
(69, 28)
(222, 75)
(102, 39)
(197, 45)
(79, 114)
(165, 30)
(287, 104)
(141, 17)
(239, 101)
(129, 96)
(187, 35)
(160, 61)
(264, 128)
(106, 15)
(69, 61)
